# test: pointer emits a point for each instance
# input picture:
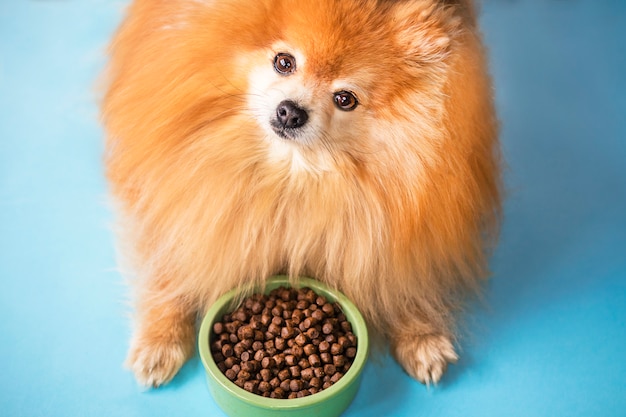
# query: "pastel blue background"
(549, 340)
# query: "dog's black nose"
(290, 115)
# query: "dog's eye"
(345, 100)
(284, 64)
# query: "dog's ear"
(425, 29)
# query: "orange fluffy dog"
(349, 140)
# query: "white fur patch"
(267, 89)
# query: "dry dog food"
(286, 344)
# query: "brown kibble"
(329, 369)
(238, 349)
(266, 319)
(297, 351)
(277, 311)
(264, 386)
(217, 346)
(304, 363)
(324, 346)
(230, 374)
(245, 356)
(302, 339)
(336, 376)
(308, 322)
(284, 374)
(346, 326)
(268, 362)
(296, 385)
(255, 322)
(278, 393)
(287, 332)
(227, 351)
(275, 382)
(309, 349)
(279, 359)
(236, 368)
(317, 315)
(230, 362)
(284, 294)
(315, 360)
(247, 366)
(290, 360)
(290, 343)
(315, 382)
(257, 307)
(313, 333)
(251, 386)
(259, 355)
(344, 342)
(307, 374)
(285, 385)
(231, 327)
(310, 295)
(240, 315)
(266, 374)
(294, 371)
(244, 375)
(218, 328)
(273, 329)
(351, 352)
(280, 343)
(339, 361)
(297, 316)
(247, 343)
(336, 349)
(328, 309)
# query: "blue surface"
(550, 341)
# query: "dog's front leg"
(164, 338)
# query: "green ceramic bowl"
(328, 403)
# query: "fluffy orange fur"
(395, 203)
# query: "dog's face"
(329, 92)
(304, 116)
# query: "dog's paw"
(155, 363)
(424, 357)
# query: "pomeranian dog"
(353, 141)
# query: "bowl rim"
(256, 400)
